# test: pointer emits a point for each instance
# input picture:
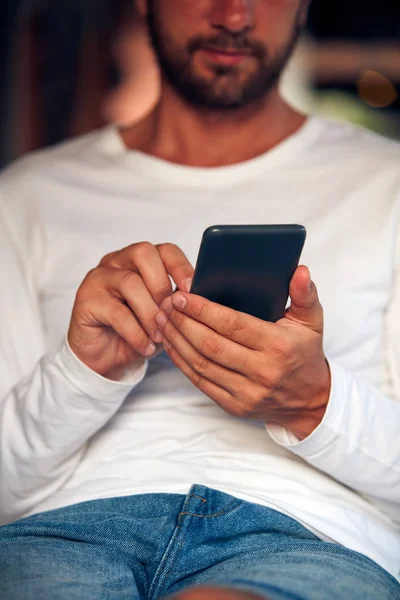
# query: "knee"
(215, 593)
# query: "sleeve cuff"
(328, 429)
(91, 383)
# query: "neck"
(180, 133)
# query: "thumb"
(305, 307)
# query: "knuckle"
(167, 247)
(246, 365)
(272, 379)
(162, 290)
(118, 314)
(238, 410)
(201, 365)
(256, 399)
(283, 347)
(250, 402)
(92, 274)
(128, 279)
(141, 250)
(121, 320)
(211, 347)
(87, 284)
(234, 326)
(81, 294)
(113, 262)
(108, 260)
(178, 318)
(199, 309)
(197, 380)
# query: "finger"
(203, 366)
(244, 329)
(305, 307)
(210, 344)
(177, 265)
(143, 258)
(129, 287)
(113, 313)
(215, 392)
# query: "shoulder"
(28, 179)
(358, 144)
(361, 166)
(37, 178)
(84, 149)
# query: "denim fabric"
(152, 545)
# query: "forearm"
(46, 421)
(357, 441)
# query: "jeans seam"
(224, 511)
(196, 496)
(183, 540)
(165, 575)
(154, 584)
(181, 543)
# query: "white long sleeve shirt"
(68, 435)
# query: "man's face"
(224, 54)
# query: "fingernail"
(179, 301)
(158, 337)
(161, 320)
(187, 284)
(149, 350)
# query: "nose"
(234, 16)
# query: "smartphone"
(249, 267)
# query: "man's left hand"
(274, 372)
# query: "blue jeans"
(152, 545)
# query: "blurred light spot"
(376, 89)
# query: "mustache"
(228, 42)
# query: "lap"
(98, 550)
(152, 546)
(307, 575)
(247, 546)
(43, 569)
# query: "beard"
(227, 87)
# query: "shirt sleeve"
(51, 404)
(358, 440)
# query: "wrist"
(306, 424)
(305, 421)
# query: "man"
(250, 460)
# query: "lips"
(228, 52)
(225, 57)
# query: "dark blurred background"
(69, 66)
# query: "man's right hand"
(113, 320)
